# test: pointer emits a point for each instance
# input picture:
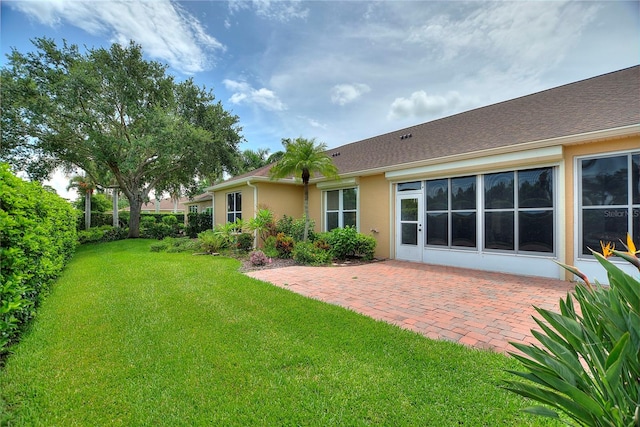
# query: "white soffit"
(481, 164)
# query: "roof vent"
(405, 136)
(335, 154)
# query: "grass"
(130, 337)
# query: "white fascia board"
(339, 183)
(480, 164)
(250, 179)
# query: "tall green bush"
(37, 239)
(587, 364)
(347, 242)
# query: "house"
(509, 187)
(199, 204)
(163, 206)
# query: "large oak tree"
(114, 115)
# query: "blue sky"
(342, 71)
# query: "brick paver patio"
(475, 308)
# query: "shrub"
(258, 258)
(159, 246)
(269, 247)
(172, 244)
(37, 238)
(347, 242)
(199, 222)
(588, 362)
(212, 242)
(263, 224)
(295, 228)
(106, 233)
(310, 254)
(284, 245)
(244, 242)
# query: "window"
(234, 206)
(451, 212)
(610, 200)
(519, 211)
(341, 208)
(193, 208)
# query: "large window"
(234, 206)
(341, 208)
(610, 200)
(519, 211)
(451, 212)
(193, 208)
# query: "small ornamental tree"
(587, 364)
(303, 158)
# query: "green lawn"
(134, 338)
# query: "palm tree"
(303, 157)
(85, 186)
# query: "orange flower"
(607, 250)
(630, 246)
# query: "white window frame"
(236, 213)
(340, 211)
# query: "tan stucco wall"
(375, 211)
(281, 199)
(220, 209)
(570, 176)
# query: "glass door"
(409, 220)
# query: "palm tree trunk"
(306, 211)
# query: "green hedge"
(100, 219)
(37, 239)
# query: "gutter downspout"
(255, 211)
(213, 209)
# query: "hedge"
(37, 239)
(100, 219)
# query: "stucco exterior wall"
(571, 198)
(281, 199)
(375, 212)
(220, 205)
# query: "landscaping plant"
(347, 242)
(258, 258)
(587, 364)
(263, 224)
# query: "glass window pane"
(607, 225)
(635, 183)
(409, 209)
(463, 193)
(463, 229)
(332, 220)
(333, 200)
(230, 202)
(230, 217)
(349, 219)
(437, 229)
(498, 190)
(535, 188)
(349, 199)
(535, 231)
(409, 234)
(406, 186)
(438, 195)
(238, 201)
(604, 181)
(498, 230)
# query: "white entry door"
(409, 226)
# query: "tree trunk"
(135, 207)
(306, 212)
(87, 210)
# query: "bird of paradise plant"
(587, 364)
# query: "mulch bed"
(279, 263)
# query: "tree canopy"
(303, 158)
(115, 115)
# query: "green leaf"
(542, 411)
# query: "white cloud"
(243, 92)
(345, 93)
(277, 10)
(165, 31)
(421, 105)
(530, 34)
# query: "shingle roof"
(604, 102)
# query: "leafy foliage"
(295, 227)
(284, 245)
(258, 258)
(588, 362)
(106, 233)
(263, 223)
(212, 242)
(37, 239)
(198, 222)
(347, 242)
(269, 247)
(309, 253)
(116, 116)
